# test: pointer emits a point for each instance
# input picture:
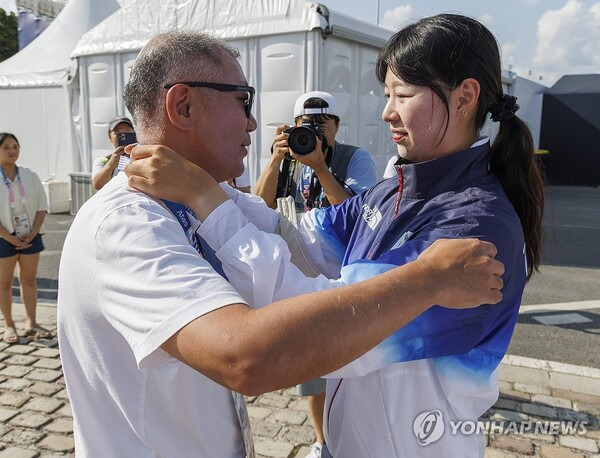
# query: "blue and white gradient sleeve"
(475, 339)
(256, 263)
(253, 208)
(322, 245)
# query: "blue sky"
(547, 38)
(539, 38)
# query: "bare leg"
(316, 404)
(7, 270)
(28, 265)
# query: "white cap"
(329, 100)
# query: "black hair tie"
(505, 109)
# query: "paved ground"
(35, 417)
(570, 272)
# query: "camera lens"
(302, 140)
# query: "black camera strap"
(337, 161)
(286, 185)
(315, 188)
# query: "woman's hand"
(162, 173)
(18, 242)
(27, 238)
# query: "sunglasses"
(223, 88)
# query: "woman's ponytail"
(512, 160)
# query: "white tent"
(36, 88)
(287, 47)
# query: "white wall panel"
(281, 72)
(348, 72)
(373, 132)
(38, 117)
(127, 61)
(337, 78)
(101, 76)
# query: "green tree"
(9, 36)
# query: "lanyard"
(11, 194)
(185, 216)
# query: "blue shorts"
(7, 250)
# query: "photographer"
(325, 176)
(105, 167)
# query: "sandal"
(10, 335)
(37, 332)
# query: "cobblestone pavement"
(36, 420)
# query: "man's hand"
(280, 143)
(463, 271)
(164, 174)
(315, 159)
(113, 161)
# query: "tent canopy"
(138, 21)
(46, 61)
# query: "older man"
(153, 339)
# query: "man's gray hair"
(170, 58)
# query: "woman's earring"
(464, 113)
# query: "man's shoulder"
(116, 197)
(346, 148)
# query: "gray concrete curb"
(550, 375)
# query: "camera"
(126, 138)
(303, 139)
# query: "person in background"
(390, 167)
(326, 176)
(105, 167)
(23, 207)
(322, 177)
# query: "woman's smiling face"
(421, 125)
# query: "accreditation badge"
(21, 225)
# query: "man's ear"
(178, 104)
(466, 96)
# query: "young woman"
(23, 208)
(441, 78)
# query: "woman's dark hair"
(5, 135)
(440, 52)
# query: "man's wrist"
(276, 161)
(321, 169)
(427, 281)
(204, 204)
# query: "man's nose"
(252, 124)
